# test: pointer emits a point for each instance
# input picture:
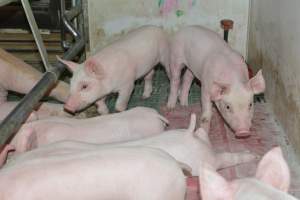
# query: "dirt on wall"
(283, 104)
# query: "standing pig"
(271, 181)
(103, 173)
(115, 69)
(223, 75)
(191, 148)
(133, 124)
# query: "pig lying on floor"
(133, 124)
(16, 75)
(223, 74)
(62, 171)
(116, 67)
(192, 148)
(271, 181)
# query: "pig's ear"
(93, 69)
(257, 83)
(213, 186)
(71, 65)
(218, 90)
(202, 135)
(273, 170)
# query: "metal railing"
(11, 124)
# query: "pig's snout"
(69, 108)
(71, 105)
(242, 133)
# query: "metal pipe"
(66, 17)
(17, 116)
(226, 24)
(36, 34)
(68, 24)
(74, 12)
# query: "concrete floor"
(266, 133)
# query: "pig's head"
(235, 102)
(86, 85)
(271, 181)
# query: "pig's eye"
(227, 107)
(250, 105)
(84, 86)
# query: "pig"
(41, 112)
(133, 124)
(131, 173)
(18, 76)
(191, 148)
(271, 181)
(115, 68)
(223, 74)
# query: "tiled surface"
(265, 135)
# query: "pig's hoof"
(117, 109)
(183, 103)
(146, 96)
(103, 111)
(171, 105)
(204, 120)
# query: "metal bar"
(68, 24)
(36, 34)
(18, 115)
(226, 35)
(74, 12)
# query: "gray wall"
(274, 45)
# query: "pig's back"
(200, 49)
(117, 173)
(140, 48)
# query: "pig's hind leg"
(228, 159)
(174, 84)
(185, 88)
(148, 84)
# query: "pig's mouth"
(242, 134)
(69, 108)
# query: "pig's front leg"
(148, 84)
(124, 96)
(101, 106)
(206, 106)
(174, 85)
(186, 85)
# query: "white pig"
(18, 76)
(115, 68)
(137, 173)
(271, 181)
(223, 75)
(192, 148)
(44, 110)
(133, 124)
